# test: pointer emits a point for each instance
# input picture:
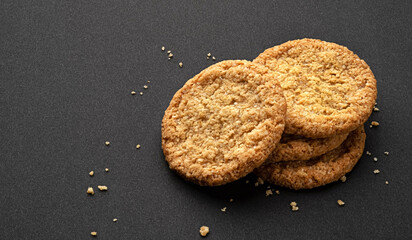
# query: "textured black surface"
(67, 70)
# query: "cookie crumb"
(145, 87)
(231, 200)
(107, 143)
(91, 173)
(133, 92)
(260, 181)
(204, 230)
(256, 184)
(368, 153)
(376, 109)
(375, 159)
(163, 48)
(386, 153)
(213, 58)
(168, 51)
(181, 64)
(114, 219)
(170, 55)
(223, 209)
(209, 54)
(106, 169)
(247, 181)
(90, 191)
(374, 123)
(102, 188)
(137, 146)
(341, 203)
(148, 81)
(293, 204)
(277, 192)
(376, 171)
(269, 192)
(141, 93)
(94, 234)
(343, 178)
(386, 182)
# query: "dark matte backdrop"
(67, 70)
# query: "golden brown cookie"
(223, 123)
(318, 171)
(298, 148)
(329, 90)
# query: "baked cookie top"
(329, 90)
(298, 148)
(223, 123)
(318, 171)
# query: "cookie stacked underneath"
(330, 92)
(295, 115)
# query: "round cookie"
(298, 148)
(318, 171)
(223, 123)
(329, 90)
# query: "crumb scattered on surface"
(256, 184)
(90, 191)
(91, 173)
(294, 206)
(375, 159)
(277, 192)
(209, 54)
(141, 93)
(231, 200)
(137, 146)
(133, 92)
(368, 153)
(107, 143)
(204, 230)
(180, 64)
(341, 203)
(343, 179)
(376, 109)
(223, 209)
(163, 48)
(386, 182)
(102, 188)
(114, 219)
(213, 58)
(269, 192)
(170, 55)
(106, 169)
(376, 171)
(247, 181)
(260, 181)
(94, 234)
(386, 153)
(374, 123)
(145, 87)
(168, 51)
(148, 81)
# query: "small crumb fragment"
(341, 203)
(268, 187)
(163, 48)
(137, 146)
(170, 55)
(168, 51)
(376, 109)
(90, 191)
(343, 179)
(223, 209)
(375, 159)
(141, 93)
(247, 181)
(106, 169)
(91, 173)
(133, 92)
(260, 181)
(209, 54)
(114, 219)
(386, 153)
(376, 103)
(277, 192)
(374, 123)
(107, 143)
(294, 206)
(269, 192)
(204, 230)
(213, 58)
(386, 182)
(256, 184)
(148, 81)
(231, 200)
(181, 64)
(368, 153)
(94, 234)
(102, 188)
(145, 87)
(376, 171)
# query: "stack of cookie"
(294, 115)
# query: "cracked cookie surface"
(329, 90)
(223, 123)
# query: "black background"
(67, 70)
